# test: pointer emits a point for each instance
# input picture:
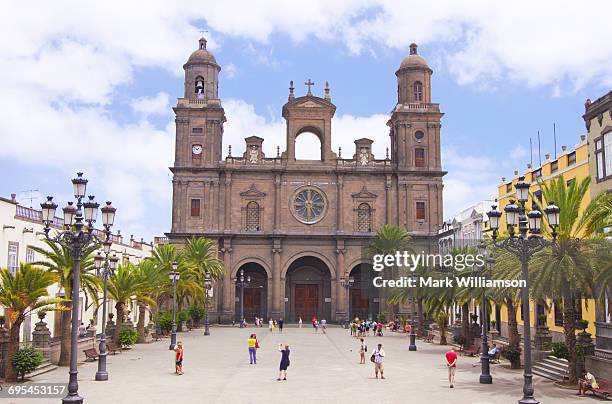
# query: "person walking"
(323, 325)
(378, 357)
(380, 328)
(281, 322)
(300, 321)
(178, 358)
(253, 344)
(362, 351)
(374, 328)
(271, 325)
(451, 364)
(284, 363)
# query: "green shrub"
(513, 355)
(542, 319)
(196, 312)
(164, 320)
(183, 315)
(26, 360)
(459, 339)
(559, 349)
(582, 324)
(127, 337)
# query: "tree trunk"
(465, 324)
(514, 339)
(119, 306)
(66, 323)
(421, 317)
(140, 326)
(569, 329)
(13, 346)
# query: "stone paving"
(324, 369)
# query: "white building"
(22, 229)
(465, 229)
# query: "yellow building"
(573, 165)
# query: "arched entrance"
(308, 290)
(364, 299)
(255, 294)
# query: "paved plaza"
(324, 369)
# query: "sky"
(89, 86)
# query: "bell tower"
(415, 120)
(199, 114)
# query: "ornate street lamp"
(412, 346)
(207, 287)
(105, 267)
(347, 283)
(76, 236)
(242, 282)
(524, 246)
(174, 277)
(485, 373)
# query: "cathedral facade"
(297, 228)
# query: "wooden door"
(252, 303)
(360, 306)
(306, 301)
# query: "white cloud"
(157, 105)
(230, 70)
(518, 153)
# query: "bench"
(112, 348)
(604, 391)
(472, 350)
(90, 354)
(429, 337)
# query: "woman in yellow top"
(253, 344)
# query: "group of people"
(272, 324)
(316, 324)
(361, 328)
(253, 345)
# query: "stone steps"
(44, 367)
(551, 368)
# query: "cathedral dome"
(413, 59)
(202, 55)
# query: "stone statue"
(253, 155)
(363, 157)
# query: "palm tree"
(151, 279)
(123, 285)
(58, 260)
(568, 266)
(389, 240)
(200, 255)
(21, 294)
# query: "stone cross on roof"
(309, 83)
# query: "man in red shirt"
(451, 364)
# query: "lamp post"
(524, 246)
(241, 282)
(347, 283)
(76, 236)
(485, 369)
(412, 346)
(174, 277)
(207, 286)
(105, 267)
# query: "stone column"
(388, 201)
(228, 201)
(342, 294)
(277, 304)
(277, 202)
(4, 339)
(228, 306)
(40, 338)
(340, 205)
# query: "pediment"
(364, 194)
(309, 104)
(252, 192)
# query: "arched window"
(199, 86)
(418, 91)
(419, 157)
(252, 216)
(308, 146)
(364, 218)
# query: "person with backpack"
(378, 358)
(362, 351)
